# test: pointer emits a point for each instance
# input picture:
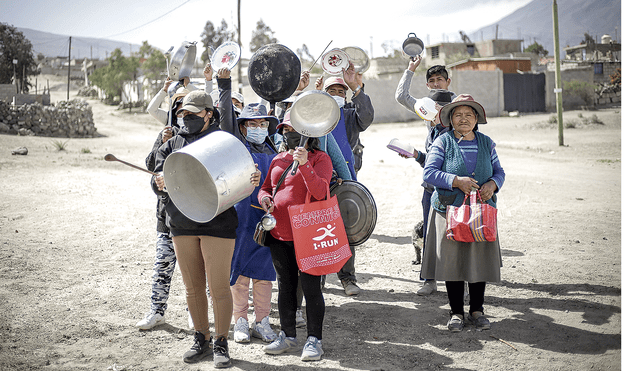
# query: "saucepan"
(412, 46)
(182, 61)
(314, 114)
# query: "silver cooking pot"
(314, 113)
(412, 46)
(182, 61)
(209, 176)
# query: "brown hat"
(197, 101)
(462, 100)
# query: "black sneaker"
(201, 348)
(221, 357)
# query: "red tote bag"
(319, 236)
(475, 222)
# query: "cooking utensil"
(314, 114)
(182, 61)
(358, 57)
(274, 73)
(320, 56)
(226, 55)
(412, 46)
(268, 222)
(209, 176)
(167, 56)
(110, 157)
(334, 61)
(358, 210)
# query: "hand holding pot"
(414, 63)
(267, 204)
(255, 177)
(224, 73)
(301, 155)
(160, 181)
(167, 84)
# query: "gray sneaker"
(300, 321)
(262, 330)
(428, 288)
(312, 350)
(201, 348)
(350, 287)
(241, 331)
(221, 357)
(479, 320)
(456, 323)
(281, 344)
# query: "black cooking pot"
(274, 72)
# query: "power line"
(133, 29)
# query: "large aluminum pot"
(314, 113)
(209, 176)
(358, 210)
(182, 61)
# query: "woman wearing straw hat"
(460, 161)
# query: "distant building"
(442, 52)
(603, 57)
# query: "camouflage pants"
(163, 268)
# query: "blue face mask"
(257, 135)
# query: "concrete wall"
(7, 92)
(486, 87)
(580, 73)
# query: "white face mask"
(180, 122)
(339, 100)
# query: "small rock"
(20, 151)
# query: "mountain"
(534, 23)
(54, 45)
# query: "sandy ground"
(77, 247)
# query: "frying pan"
(182, 61)
(314, 114)
(274, 73)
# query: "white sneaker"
(312, 350)
(300, 321)
(281, 344)
(262, 330)
(428, 288)
(151, 320)
(241, 331)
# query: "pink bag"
(319, 236)
(475, 222)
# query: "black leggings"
(284, 261)
(455, 292)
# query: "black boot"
(201, 348)
(221, 357)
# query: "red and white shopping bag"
(319, 237)
(475, 222)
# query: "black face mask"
(292, 139)
(193, 124)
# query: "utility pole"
(558, 89)
(69, 70)
(240, 44)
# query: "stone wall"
(67, 119)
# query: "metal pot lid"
(358, 210)
(358, 57)
(274, 72)
(226, 55)
(334, 61)
(314, 113)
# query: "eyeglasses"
(257, 123)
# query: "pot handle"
(221, 183)
(411, 33)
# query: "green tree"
(111, 77)
(154, 68)
(538, 49)
(261, 36)
(212, 37)
(15, 46)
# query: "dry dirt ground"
(77, 247)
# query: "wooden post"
(558, 89)
(69, 70)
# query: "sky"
(163, 23)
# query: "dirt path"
(78, 237)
